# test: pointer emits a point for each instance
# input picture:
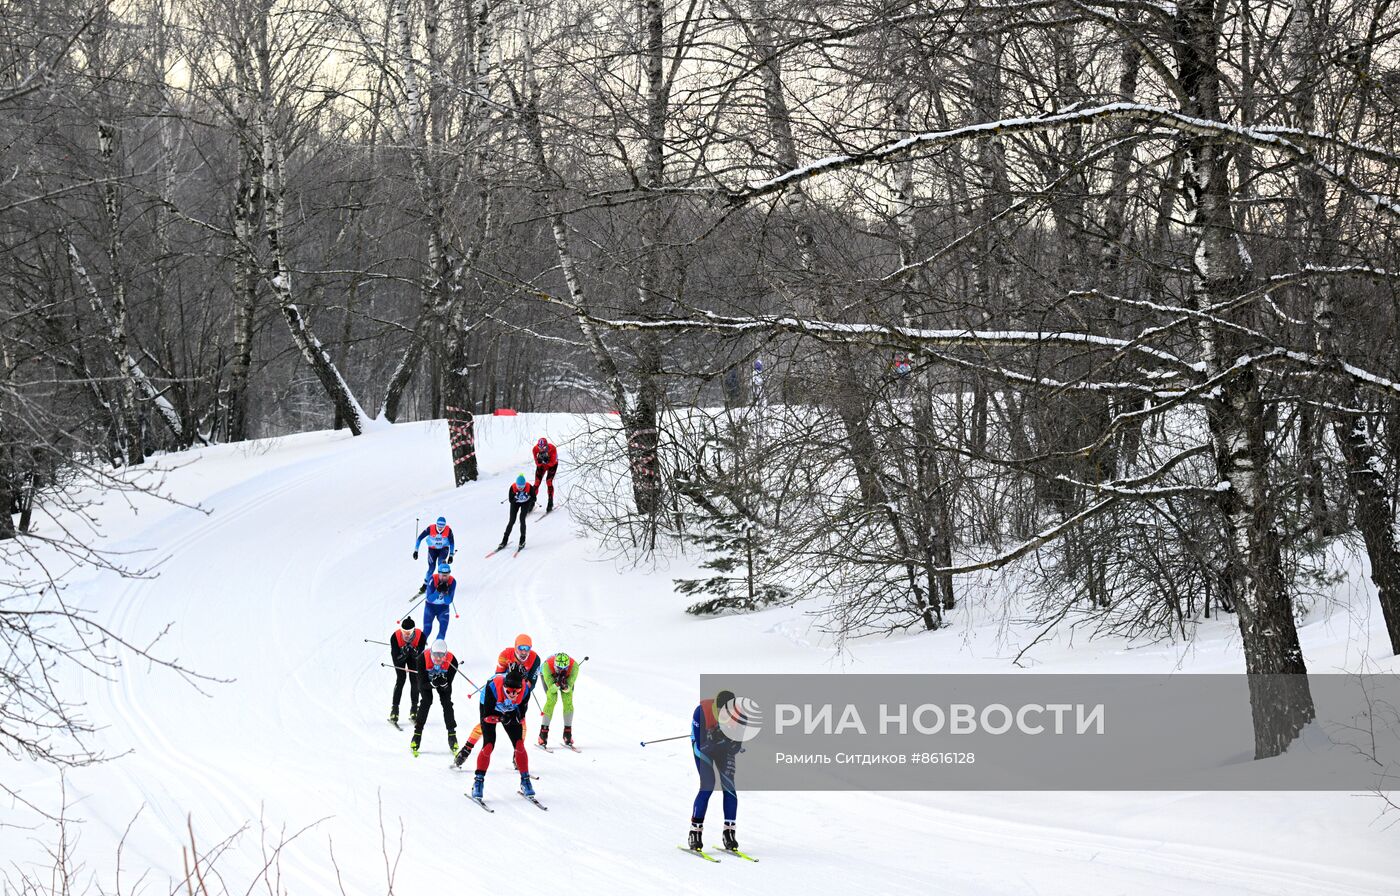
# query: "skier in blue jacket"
(442, 587)
(441, 546)
(714, 758)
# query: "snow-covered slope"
(304, 553)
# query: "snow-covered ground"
(300, 549)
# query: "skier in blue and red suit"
(442, 588)
(441, 546)
(714, 757)
(504, 701)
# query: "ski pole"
(369, 641)
(664, 739)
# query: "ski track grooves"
(143, 728)
(619, 813)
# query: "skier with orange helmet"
(522, 653)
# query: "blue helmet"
(520, 481)
(444, 568)
(442, 522)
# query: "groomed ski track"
(305, 551)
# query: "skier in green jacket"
(559, 674)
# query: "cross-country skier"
(437, 668)
(522, 654)
(442, 588)
(521, 498)
(714, 756)
(405, 651)
(560, 674)
(441, 546)
(546, 465)
(504, 700)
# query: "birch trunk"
(280, 281)
(246, 267)
(441, 320)
(1280, 700)
(134, 379)
(126, 421)
(643, 434)
(934, 532)
(639, 419)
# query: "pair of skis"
(552, 749)
(522, 547)
(709, 858)
(482, 803)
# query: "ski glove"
(415, 555)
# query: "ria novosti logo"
(741, 719)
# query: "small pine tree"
(728, 498)
(736, 553)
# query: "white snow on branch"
(1155, 116)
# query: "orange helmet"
(523, 645)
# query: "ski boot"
(452, 741)
(544, 736)
(731, 839)
(463, 754)
(696, 839)
(478, 785)
(525, 786)
(413, 744)
(522, 543)
(502, 545)
(550, 506)
(568, 735)
(393, 716)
